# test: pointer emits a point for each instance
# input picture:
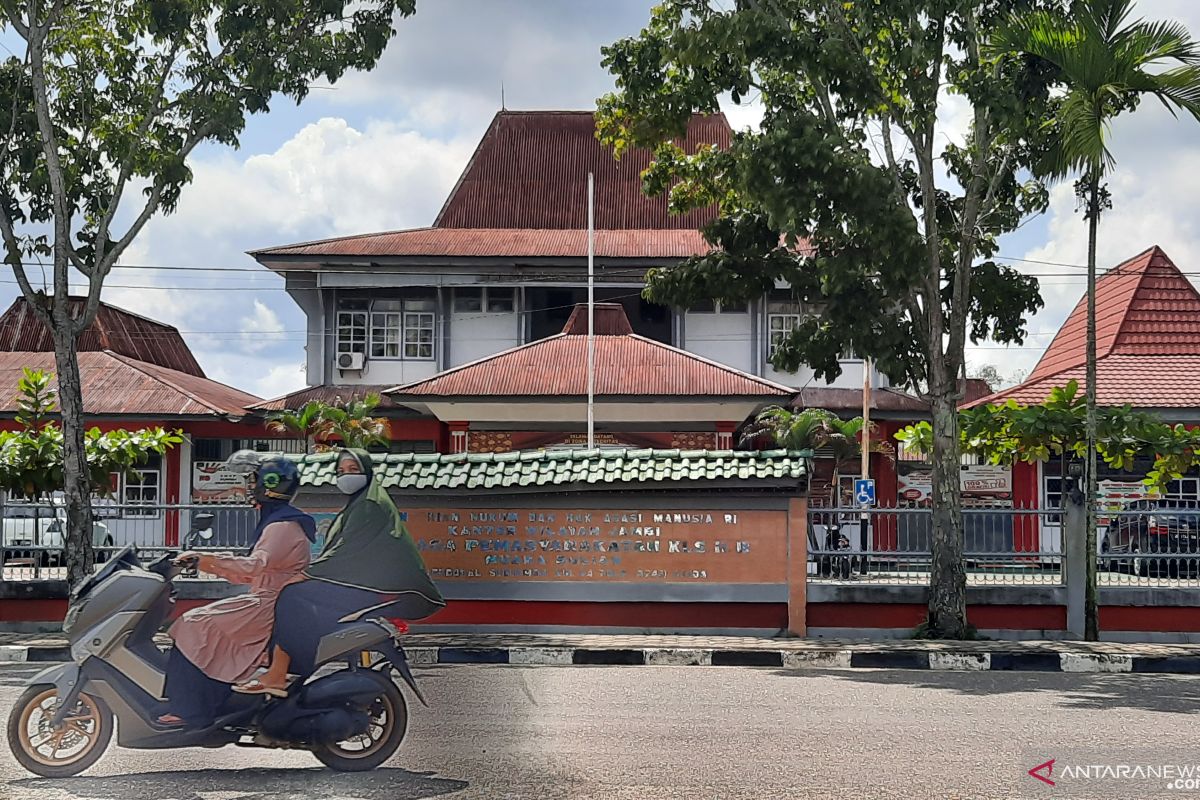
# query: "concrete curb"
(882, 657)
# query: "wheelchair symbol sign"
(864, 492)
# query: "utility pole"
(864, 521)
(591, 334)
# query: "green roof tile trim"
(566, 467)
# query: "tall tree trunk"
(1091, 602)
(76, 477)
(948, 581)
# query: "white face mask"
(349, 484)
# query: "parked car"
(1159, 538)
(43, 527)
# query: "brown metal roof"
(626, 365)
(504, 243)
(530, 171)
(114, 329)
(883, 400)
(330, 394)
(115, 385)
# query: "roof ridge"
(330, 239)
(437, 220)
(723, 367)
(1067, 337)
(1143, 261)
(105, 304)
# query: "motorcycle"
(352, 719)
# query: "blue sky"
(381, 150)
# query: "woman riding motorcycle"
(224, 642)
(368, 566)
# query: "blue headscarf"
(282, 511)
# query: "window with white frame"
(418, 335)
(784, 314)
(388, 328)
(142, 487)
(779, 328)
(352, 331)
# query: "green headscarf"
(369, 547)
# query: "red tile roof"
(1147, 340)
(114, 329)
(627, 365)
(1141, 381)
(530, 171)
(1144, 306)
(502, 243)
(329, 394)
(115, 385)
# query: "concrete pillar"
(1075, 555)
(797, 572)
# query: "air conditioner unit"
(350, 361)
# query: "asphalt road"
(695, 732)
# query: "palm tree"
(1106, 65)
(350, 423)
(308, 422)
(816, 429)
(354, 424)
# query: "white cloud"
(279, 380)
(260, 329)
(329, 179)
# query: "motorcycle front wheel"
(389, 724)
(59, 752)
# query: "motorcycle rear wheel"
(389, 724)
(81, 739)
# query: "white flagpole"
(591, 340)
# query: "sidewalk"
(603, 649)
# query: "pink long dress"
(227, 640)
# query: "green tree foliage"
(31, 459)
(1010, 432)
(849, 193)
(102, 103)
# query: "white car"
(43, 527)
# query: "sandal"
(258, 687)
(171, 721)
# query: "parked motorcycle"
(352, 719)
